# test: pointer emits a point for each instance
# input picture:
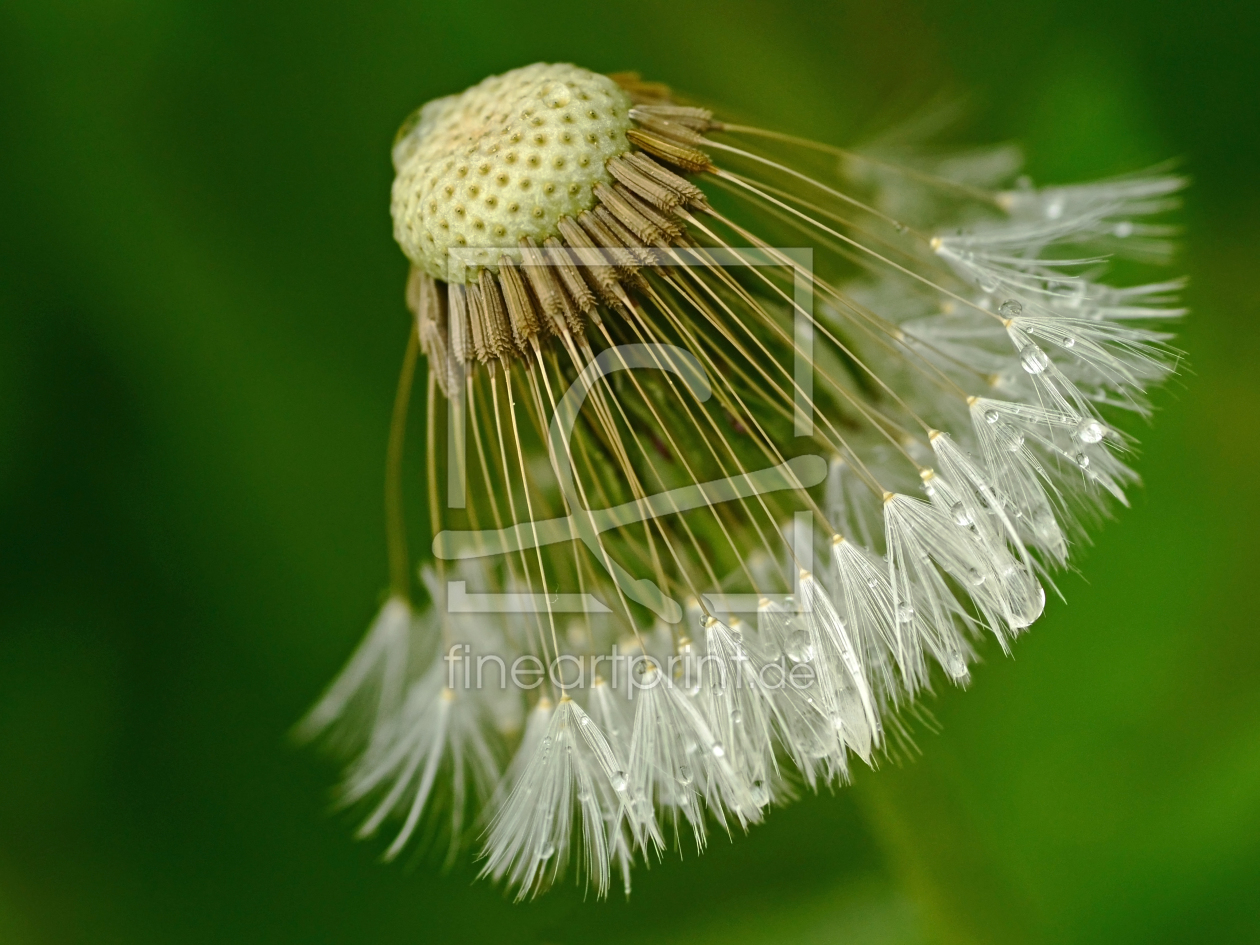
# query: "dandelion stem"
(395, 524)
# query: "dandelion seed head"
(506, 159)
(733, 512)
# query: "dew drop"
(1033, 358)
(956, 666)
(1015, 443)
(546, 742)
(991, 416)
(905, 613)
(583, 795)
(959, 513)
(1082, 460)
(1069, 341)
(684, 775)
(1010, 308)
(586, 720)
(975, 576)
(618, 781)
(1028, 606)
(736, 716)
(798, 647)
(546, 850)
(717, 750)
(1123, 228)
(760, 796)
(1089, 430)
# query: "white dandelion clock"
(680, 764)
(625, 832)
(569, 781)
(863, 597)
(737, 705)
(362, 701)
(737, 444)
(843, 692)
(439, 729)
(802, 727)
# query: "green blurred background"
(202, 324)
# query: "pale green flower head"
(506, 159)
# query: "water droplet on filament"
(798, 647)
(1033, 358)
(1089, 430)
(960, 515)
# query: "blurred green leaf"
(202, 325)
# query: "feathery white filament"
(571, 775)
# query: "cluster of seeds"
(506, 159)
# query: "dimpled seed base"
(505, 159)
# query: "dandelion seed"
(361, 701)
(646, 423)
(567, 778)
